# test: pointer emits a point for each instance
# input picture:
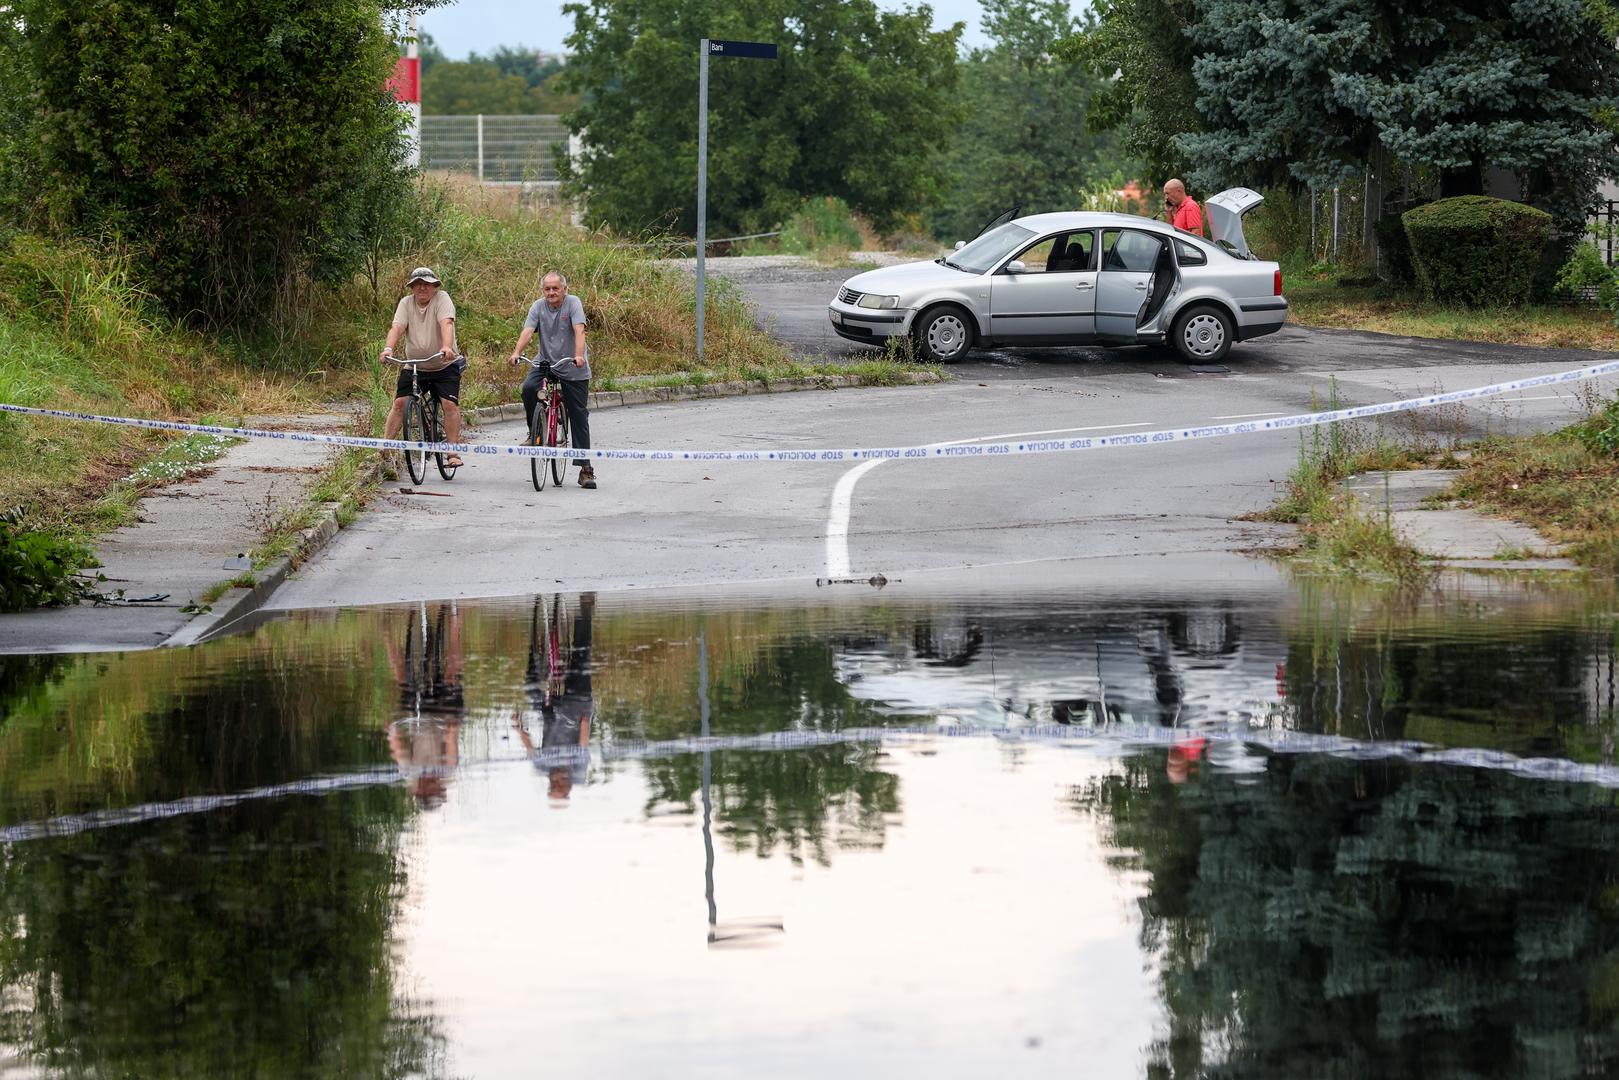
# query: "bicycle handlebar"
(403, 362)
(541, 364)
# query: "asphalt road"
(1084, 517)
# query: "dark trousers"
(575, 399)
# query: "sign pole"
(702, 184)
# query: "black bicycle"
(423, 423)
(548, 426)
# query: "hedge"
(1476, 250)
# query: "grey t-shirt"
(554, 327)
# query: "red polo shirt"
(1189, 216)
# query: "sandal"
(453, 461)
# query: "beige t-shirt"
(422, 337)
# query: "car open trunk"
(1225, 218)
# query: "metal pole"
(708, 835)
(1336, 204)
(413, 156)
(1312, 223)
(480, 148)
(702, 183)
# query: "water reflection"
(1339, 918)
(252, 857)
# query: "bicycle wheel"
(559, 467)
(558, 642)
(536, 465)
(435, 425)
(415, 430)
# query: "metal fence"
(495, 149)
(1601, 228)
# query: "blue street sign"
(751, 50)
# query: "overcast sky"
(482, 25)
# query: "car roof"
(1089, 219)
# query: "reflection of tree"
(250, 942)
(1338, 918)
(806, 801)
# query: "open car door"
(1225, 218)
(999, 219)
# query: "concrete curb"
(238, 604)
(662, 395)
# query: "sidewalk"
(179, 547)
(1462, 539)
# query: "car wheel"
(1202, 334)
(944, 335)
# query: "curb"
(237, 604)
(662, 395)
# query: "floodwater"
(1260, 832)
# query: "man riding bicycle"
(559, 320)
(426, 320)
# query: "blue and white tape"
(1109, 738)
(897, 453)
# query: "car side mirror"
(1016, 267)
(960, 244)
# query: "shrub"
(1476, 250)
(38, 569)
(821, 225)
(1585, 274)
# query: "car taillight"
(1278, 291)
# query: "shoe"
(453, 461)
(390, 465)
(587, 477)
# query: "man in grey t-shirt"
(559, 320)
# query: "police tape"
(930, 452)
(1226, 748)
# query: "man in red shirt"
(1183, 211)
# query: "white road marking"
(1244, 415)
(837, 522)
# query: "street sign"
(746, 50)
(751, 50)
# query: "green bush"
(1585, 271)
(38, 569)
(821, 225)
(1477, 251)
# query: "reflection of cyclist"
(558, 687)
(558, 318)
(427, 668)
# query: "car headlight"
(872, 300)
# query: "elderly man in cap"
(426, 320)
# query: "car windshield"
(989, 249)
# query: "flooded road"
(1261, 829)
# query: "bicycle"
(548, 426)
(423, 423)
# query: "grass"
(1337, 535)
(1336, 297)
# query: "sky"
(483, 25)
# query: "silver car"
(1076, 278)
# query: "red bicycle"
(548, 426)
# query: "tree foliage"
(1141, 50)
(513, 81)
(1023, 135)
(855, 108)
(237, 145)
(1303, 92)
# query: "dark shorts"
(444, 385)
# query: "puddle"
(1252, 833)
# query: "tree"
(464, 88)
(1140, 49)
(1305, 91)
(854, 108)
(234, 145)
(1022, 138)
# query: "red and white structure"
(406, 85)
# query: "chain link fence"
(496, 149)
